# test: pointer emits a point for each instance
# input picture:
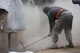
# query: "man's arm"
(51, 22)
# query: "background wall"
(37, 27)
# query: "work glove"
(49, 34)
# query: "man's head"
(45, 10)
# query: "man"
(59, 19)
(11, 20)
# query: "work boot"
(70, 45)
(54, 46)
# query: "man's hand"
(49, 34)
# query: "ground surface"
(65, 50)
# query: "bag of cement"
(16, 18)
